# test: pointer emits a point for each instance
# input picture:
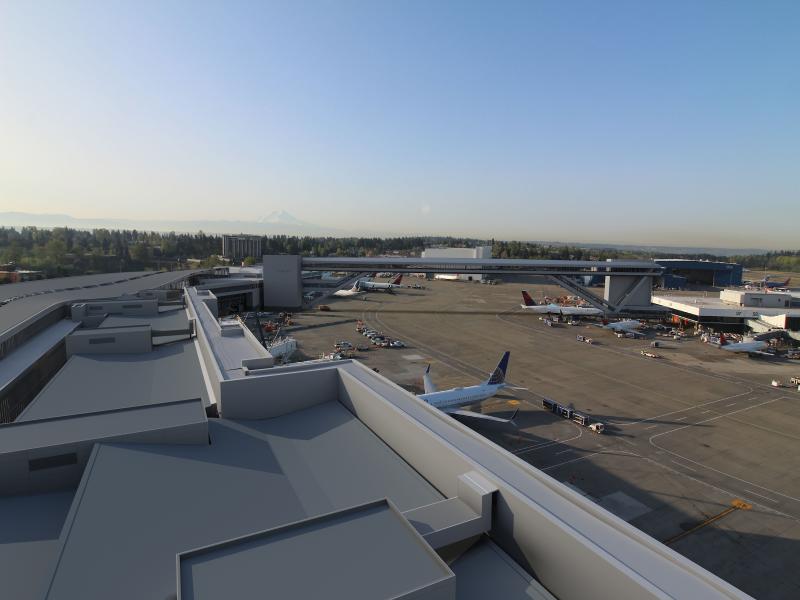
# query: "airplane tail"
(426, 381)
(604, 321)
(722, 340)
(526, 299)
(498, 376)
(397, 280)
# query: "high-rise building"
(237, 247)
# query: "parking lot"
(687, 434)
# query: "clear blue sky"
(636, 122)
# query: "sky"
(639, 122)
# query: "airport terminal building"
(151, 449)
(735, 310)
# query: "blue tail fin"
(499, 374)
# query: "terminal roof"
(165, 499)
(40, 295)
(92, 382)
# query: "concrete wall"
(618, 286)
(113, 340)
(267, 396)
(283, 285)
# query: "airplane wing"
(468, 417)
(426, 381)
(761, 353)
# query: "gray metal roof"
(168, 318)
(89, 383)
(159, 500)
(109, 424)
(30, 526)
(107, 285)
(385, 558)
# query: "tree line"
(64, 251)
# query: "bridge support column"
(628, 292)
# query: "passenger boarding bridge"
(628, 283)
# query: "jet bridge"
(628, 282)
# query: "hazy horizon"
(674, 124)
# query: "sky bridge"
(627, 290)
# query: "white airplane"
(449, 401)
(353, 291)
(755, 347)
(372, 286)
(365, 285)
(529, 303)
(624, 326)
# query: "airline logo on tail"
(722, 340)
(526, 299)
(397, 280)
(498, 376)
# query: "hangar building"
(477, 252)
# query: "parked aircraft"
(766, 284)
(771, 285)
(353, 291)
(364, 285)
(529, 303)
(624, 326)
(450, 400)
(754, 347)
(372, 286)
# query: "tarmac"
(687, 434)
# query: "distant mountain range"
(277, 222)
(280, 222)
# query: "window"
(124, 306)
(59, 460)
(104, 340)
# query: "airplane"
(361, 286)
(766, 284)
(529, 303)
(771, 285)
(371, 286)
(624, 326)
(353, 291)
(752, 348)
(450, 401)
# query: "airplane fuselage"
(756, 346)
(462, 396)
(557, 309)
(624, 326)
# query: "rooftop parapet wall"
(50, 454)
